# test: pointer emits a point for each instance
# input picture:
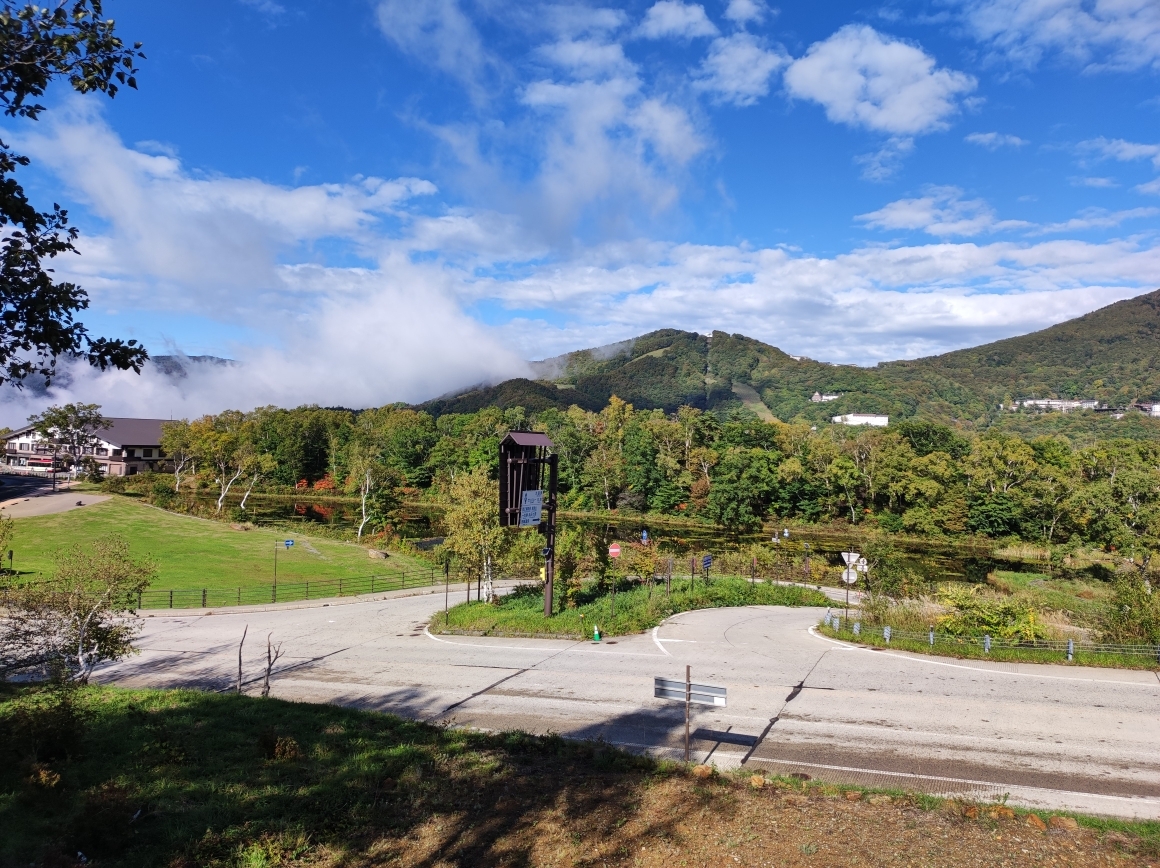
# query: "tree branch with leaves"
(37, 324)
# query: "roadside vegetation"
(182, 778)
(1028, 616)
(633, 608)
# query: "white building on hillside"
(1062, 405)
(125, 448)
(862, 419)
(819, 398)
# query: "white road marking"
(658, 641)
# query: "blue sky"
(378, 200)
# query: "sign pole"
(550, 542)
(688, 696)
(446, 591)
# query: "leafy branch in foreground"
(36, 313)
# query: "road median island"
(634, 608)
(182, 777)
(981, 647)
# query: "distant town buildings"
(819, 398)
(862, 419)
(1062, 405)
(125, 448)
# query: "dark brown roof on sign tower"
(529, 438)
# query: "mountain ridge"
(1111, 354)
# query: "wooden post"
(688, 702)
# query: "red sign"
(614, 551)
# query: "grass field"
(636, 608)
(193, 552)
(183, 779)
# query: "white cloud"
(671, 18)
(882, 164)
(587, 58)
(1096, 218)
(1096, 182)
(737, 69)
(179, 226)
(942, 212)
(266, 7)
(865, 79)
(994, 141)
(742, 11)
(182, 244)
(1124, 151)
(436, 32)
(886, 303)
(1098, 34)
(1152, 187)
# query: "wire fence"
(296, 591)
(1065, 648)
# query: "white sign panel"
(532, 508)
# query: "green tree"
(70, 429)
(37, 325)
(473, 533)
(744, 483)
(177, 445)
(377, 487)
(81, 617)
(223, 445)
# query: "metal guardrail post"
(203, 597)
(171, 599)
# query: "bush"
(1135, 613)
(114, 484)
(44, 726)
(973, 614)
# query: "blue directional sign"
(706, 562)
(289, 543)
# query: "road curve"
(1046, 736)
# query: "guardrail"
(1067, 648)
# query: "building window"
(147, 453)
(132, 469)
(117, 453)
(101, 450)
(24, 447)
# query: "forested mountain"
(1112, 354)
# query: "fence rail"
(287, 592)
(1066, 647)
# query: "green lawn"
(193, 552)
(636, 608)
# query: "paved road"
(24, 496)
(1055, 737)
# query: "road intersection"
(799, 703)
